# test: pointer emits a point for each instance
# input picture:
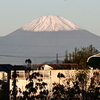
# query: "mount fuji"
(42, 39)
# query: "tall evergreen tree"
(80, 56)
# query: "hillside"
(42, 39)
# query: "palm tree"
(28, 62)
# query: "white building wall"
(50, 76)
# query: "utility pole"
(57, 58)
(8, 83)
(14, 84)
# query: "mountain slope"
(42, 46)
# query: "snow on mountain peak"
(50, 23)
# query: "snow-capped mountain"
(42, 39)
(50, 23)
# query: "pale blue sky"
(16, 13)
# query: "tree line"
(80, 56)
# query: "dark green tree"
(36, 88)
(14, 90)
(28, 62)
(80, 56)
(78, 90)
(94, 88)
(59, 91)
(3, 91)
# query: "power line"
(31, 56)
(41, 45)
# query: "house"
(45, 67)
(60, 66)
